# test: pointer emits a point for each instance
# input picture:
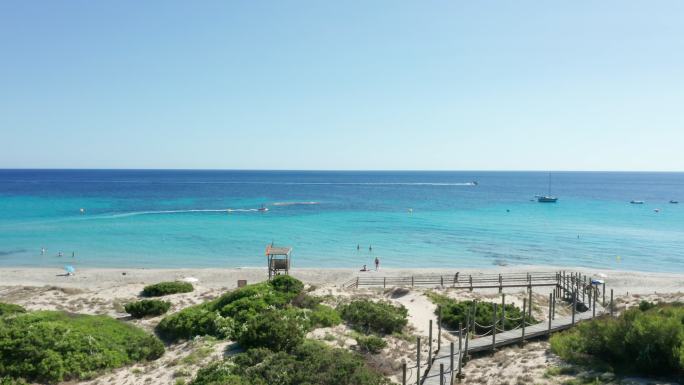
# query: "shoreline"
(100, 278)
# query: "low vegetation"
(374, 317)
(10, 308)
(310, 363)
(455, 313)
(324, 316)
(648, 340)
(166, 288)
(370, 344)
(51, 346)
(245, 313)
(147, 308)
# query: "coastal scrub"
(52, 346)
(310, 363)
(648, 340)
(166, 288)
(455, 313)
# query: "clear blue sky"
(557, 85)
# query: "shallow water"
(411, 219)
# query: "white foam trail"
(279, 183)
(157, 212)
(295, 203)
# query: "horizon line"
(331, 170)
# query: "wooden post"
(503, 311)
(593, 306)
(384, 282)
(470, 278)
(418, 361)
(603, 290)
(439, 328)
(441, 281)
(523, 319)
(494, 327)
(430, 342)
(611, 302)
(460, 358)
(500, 283)
(550, 310)
(565, 282)
(584, 289)
(574, 306)
(451, 355)
(529, 304)
(467, 332)
(473, 310)
(357, 282)
(441, 373)
(403, 373)
(553, 306)
(411, 281)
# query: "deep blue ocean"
(411, 219)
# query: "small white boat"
(674, 202)
(635, 202)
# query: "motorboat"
(636, 202)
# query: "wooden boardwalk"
(502, 339)
(444, 366)
(458, 281)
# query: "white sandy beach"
(105, 291)
(101, 278)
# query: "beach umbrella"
(69, 269)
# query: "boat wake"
(188, 211)
(295, 203)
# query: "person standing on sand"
(377, 263)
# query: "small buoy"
(82, 210)
(410, 210)
(656, 210)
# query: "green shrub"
(166, 288)
(310, 363)
(198, 320)
(277, 330)
(12, 381)
(50, 346)
(10, 308)
(456, 312)
(645, 305)
(371, 344)
(287, 285)
(324, 316)
(379, 317)
(238, 307)
(649, 342)
(147, 307)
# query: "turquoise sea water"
(181, 218)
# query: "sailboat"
(547, 198)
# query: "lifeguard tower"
(278, 260)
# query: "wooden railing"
(457, 280)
